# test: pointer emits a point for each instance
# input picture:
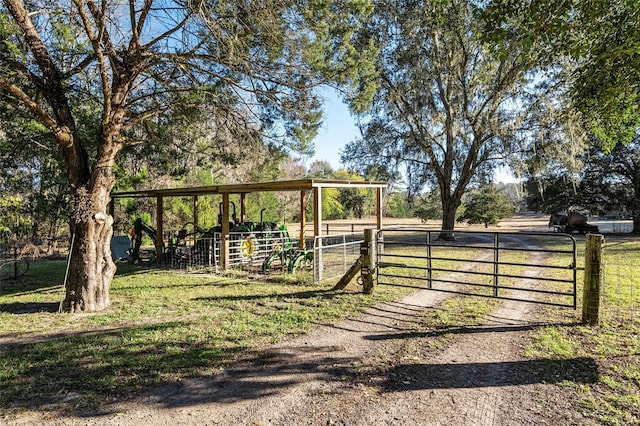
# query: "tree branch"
(16, 92)
(96, 39)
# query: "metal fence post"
(429, 265)
(592, 279)
(496, 260)
(344, 253)
(318, 262)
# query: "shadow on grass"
(94, 368)
(85, 374)
(43, 275)
(29, 308)
(275, 372)
(88, 369)
(449, 330)
(261, 375)
(491, 374)
(325, 294)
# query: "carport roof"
(240, 188)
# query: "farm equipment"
(181, 253)
(571, 222)
(247, 238)
(264, 244)
(177, 247)
(267, 240)
(289, 260)
(139, 227)
(251, 240)
(271, 242)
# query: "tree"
(487, 206)
(396, 205)
(355, 201)
(448, 105)
(429, 206)
(249, 67)
(603, 40)
(321, 169)
(33, 188)
(611, 181)
(553, 192)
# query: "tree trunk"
(91, 267)
(449, 207)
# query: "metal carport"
(242, 189)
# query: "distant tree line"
(607, 183)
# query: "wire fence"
(270, 253)
(334, 254)
(620, 296)
(265, 252)
(614, 226)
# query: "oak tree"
(487, 206)
(448, 105)
(602, 39)
(611, 181)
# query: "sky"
(339, 128)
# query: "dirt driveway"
(375, 369)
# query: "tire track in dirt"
(469, 383)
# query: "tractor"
(140, 228)
(250, 242)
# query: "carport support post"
(592, 279)
(195, 213)
(303, 220)
(159, 229)
(378, 208)
(224, 235)
(380, 242)
(243, 207)
(317, 232)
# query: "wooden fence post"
(368, 270)
(348, 276)
(592, 279)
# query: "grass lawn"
(161, 326)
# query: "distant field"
(519, 223)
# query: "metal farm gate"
(527, 267)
